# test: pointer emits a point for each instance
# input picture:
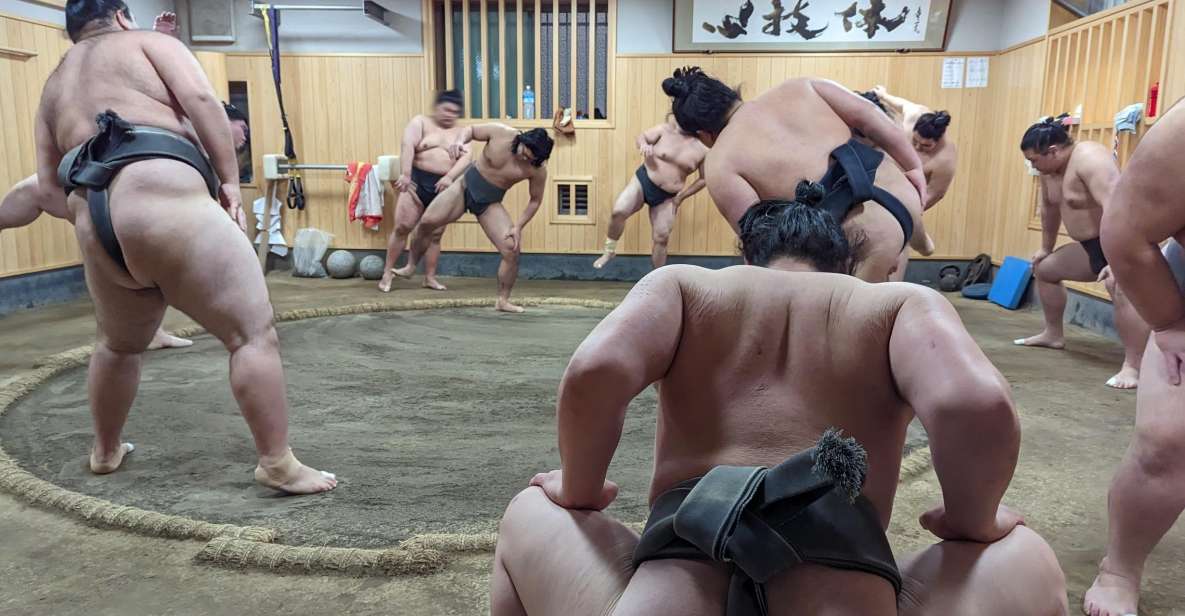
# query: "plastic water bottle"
(528, 104)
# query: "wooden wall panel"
(214, 64)
(48, 243)
(345, 107)
(341, 108)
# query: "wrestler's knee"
(1038, 566)
(258, 335)
(661, 237)
(1047, 273)
(527, 510)
(403, 229)
(1159, 449)
(509, 251)
(120, 345)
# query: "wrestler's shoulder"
(893, 296)
(1093, 150)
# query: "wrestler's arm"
(649, 136)
(478, 132)
(629, 350)
(1145, 209)
(859, 113)
(690, 190)
(489, 130)
(412, 135)
(19, 206)
(907, 110)
(731, 192)
(1051, 218)
(966, 408)
(459, 167)
(536, 187)
(1100, 175)
(187, 83)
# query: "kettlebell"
(949, 277)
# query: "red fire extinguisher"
(1153, 97)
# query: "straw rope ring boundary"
(256, 547)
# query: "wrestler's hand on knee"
(937, 522)
(512, 236)
(1171, 343)
(443, 184)
(232, 201)
(553, 486)
(1039, 256)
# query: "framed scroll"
(810, 25)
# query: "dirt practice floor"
(432, 420)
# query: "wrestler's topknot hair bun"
(932, 125)
(799, 229)
(677, 85)
(809, 193)
(699, 101)
(1048, 132)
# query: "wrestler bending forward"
(754, 363)
(123, 116)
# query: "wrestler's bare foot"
(1112, 594)
(288, 475)
(434, 284)
(385, 283)
(604, 260)
(1128, 378)
(407, 271)
(504, 305)
(1043, 339)
(107, 462)
(162, 340)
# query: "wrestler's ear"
(125, 20)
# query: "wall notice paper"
(952, 72)
(977, 72)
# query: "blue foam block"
(1011, 282)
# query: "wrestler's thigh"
(675, 588)
(569, 563)
(630, 199)
(201, 261)
(876, 239)
(826, 591)
(662, 219)
(1018, 574)
(890, 178)
(127, 317)
(448, 206)
(408, 210)
(1070, 262)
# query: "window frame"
(553, 215)
(498, 7)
